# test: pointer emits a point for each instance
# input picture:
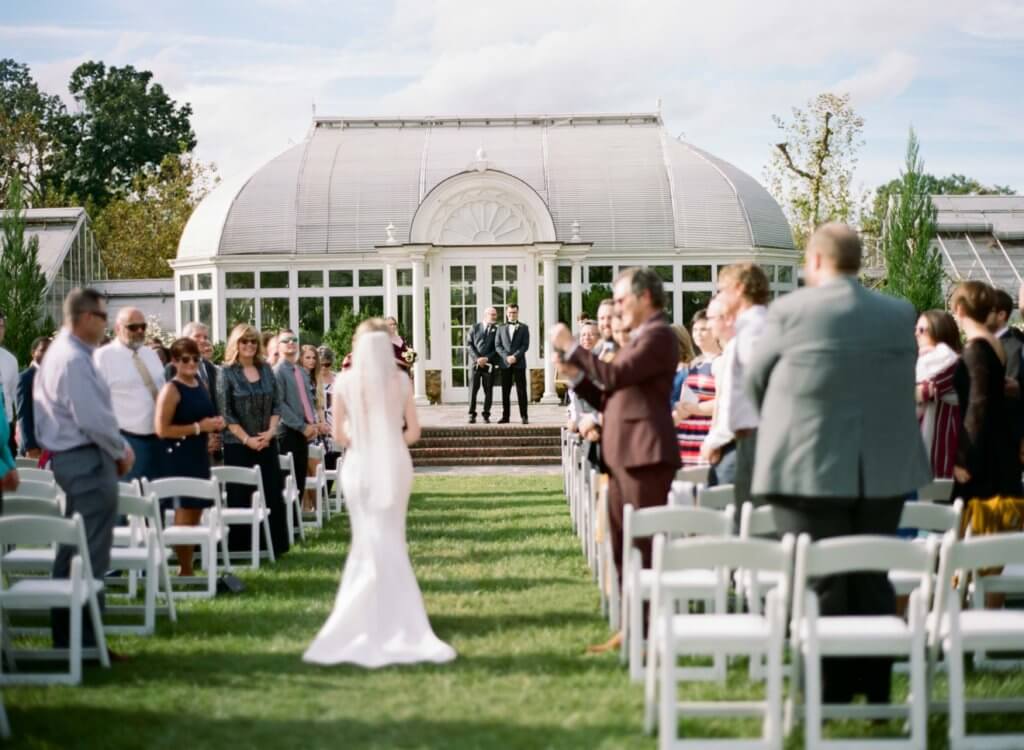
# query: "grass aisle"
(504, 583)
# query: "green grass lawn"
(505, 584)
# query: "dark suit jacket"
(634, 396)
(211, 370)
(26, 414)
(480, 343)
(516, 345)
(1013, 345)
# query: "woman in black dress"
(987, 457)
(185, 416)
(249, 399)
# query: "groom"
(513, 341)
(481, 347)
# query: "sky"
(254, 71)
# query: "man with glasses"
(75, 422)
(134, 374)
(298, 425)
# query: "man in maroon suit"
(633, 392)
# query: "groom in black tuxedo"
(513, 341)
(481, 344)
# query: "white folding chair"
(682, 494)
(27, 474)
(24, 558)
(693, 474)
(934, 519)
(318, 483)
(146, 556)
(208, 534)
(718, 497)
(44, 490)
(716, 635)
(607, 573)
(704, 585)
(814, 636)
(23, 462)
(754, 585)
(255, 517)
(956, 631)
(34, 594)
(292, 502)
(936, 491)
(332, 477)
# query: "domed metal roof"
(632, 188)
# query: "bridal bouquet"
(409, 355)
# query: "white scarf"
(930, 365)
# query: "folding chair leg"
(210, 558)
(75, 645)
(152, 584)
(270, 540)
(165, 575)
(957, 701)
(101, 636)
(254, 540)
(668, 721)
(636, 639)
(812, 699)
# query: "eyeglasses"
(136, 327)
(187, 359)
(286, 340)
(248, 341)
(101, 314)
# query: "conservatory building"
(433, 220)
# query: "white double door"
(473, 286)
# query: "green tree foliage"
(139, 233)
(339, 338)
(593, 297)
(913, 263)
(126, 124)
(22, 283)
(31, 126)
(811, 170)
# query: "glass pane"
(205, 282)
(206, 312)
(458, 378)
(186, 312)
(186, 283)
(664, 272)
(273, 279)
(471, 296)
(565, 308)
(564, 274)
(311, 320)
(497, 273)
(497, 296)
(405, 317)
(339, 278)
(240, 280)
(371, 306)
(696, 273)
(785, 274)
(371, 277)
(311, 279)
(242, 310)
(769, 271)
(456, 273)
(338, 306)
(692, 302)
(403, 277)
(599, 274)
(470, 273)
(593, 297)
(511, 274)
(670, 305)
(274, 313)
(456, 295)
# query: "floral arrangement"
(409, 355)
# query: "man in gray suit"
(838, 448)
(481, 346)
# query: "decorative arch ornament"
(482, 208)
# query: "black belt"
(150, 436)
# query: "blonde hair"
(239, 332)
(314, 376)
(751, 277)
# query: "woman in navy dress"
(185, 415)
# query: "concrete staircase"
(491, 445)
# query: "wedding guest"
(1013, 343)
(270, 346)
(250, 401)
(8, 469)
(987, 455)
(512, 343)
(938, 409)
(481, 347)
(185, 418)
(134, 376)
(719, 446)
(28, 445)
(327, 378)
(298, 424)
(693, 418)
(638, 439)
(9, 384)
(605, 314)
(686, 356)
(838, 447)
(620, 337)
(579, 407)
(398, 344)
(310, 361)
(75, 422)
(161, 351)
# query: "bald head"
(130, 327)
(834, 248)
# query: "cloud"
(888, 77)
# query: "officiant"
(482, 353)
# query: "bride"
(378, 616)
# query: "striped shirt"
(690, 433)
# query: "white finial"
(575, 232)
(389, 230)
(657, 106)
(480, 164)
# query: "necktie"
(147, 379)
(300, 383)
(202, 376)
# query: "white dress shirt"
(134, 406)
(9, 376)
(743, 413)
(720, 435)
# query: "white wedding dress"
(378, 617)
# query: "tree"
(139, 233)
(913, 264)
(339, 337)
(22, 283)
(126, 124)
(31, 125)
(811, 170)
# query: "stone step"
(490, 431)
(496, 441)
(491, 461)
(462, 452)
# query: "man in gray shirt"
(75, 421)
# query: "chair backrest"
(694, 474)
(937, 490)
(35, 475)
(287, 463)
(929, 516)
(236, 475)
(23, 462)
(42, 490)
(164, 489)
(19, 505)
(719, 497)
(316, 453)
(137, 506)
(675, 521)
(972, 553)
(682, 493)
(132, 487)
(757, 521)
(39, 530)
